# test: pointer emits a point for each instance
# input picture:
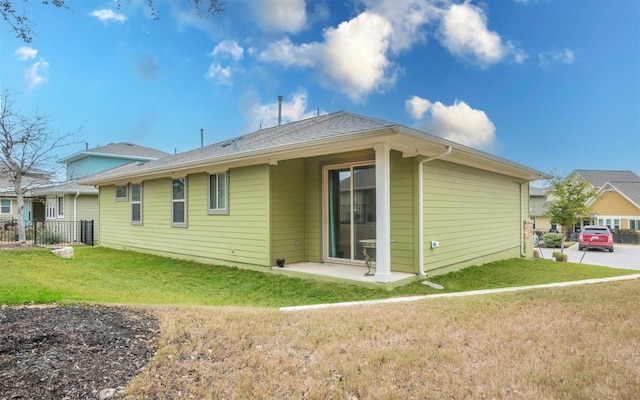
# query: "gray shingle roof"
(625, 182)
(288, 137)
(66, 187)
(599, 177)
(121, 150)
(304, 131)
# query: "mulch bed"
(72, 352)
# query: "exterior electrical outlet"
(434, 244)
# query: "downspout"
(421, 207)
(75, 225)
(522, 249)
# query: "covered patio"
(345, 273)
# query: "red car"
(592, 236)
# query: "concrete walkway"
(461, 294)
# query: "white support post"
(383, 212)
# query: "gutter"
(421, 207)
(75, 209)
(522, 250)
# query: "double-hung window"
(179, 202)
(218, 193)
(5, 206)
(136, 203)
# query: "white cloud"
(353, 57)
(458, 122)
(229, 47)
(564, 56)
(408, 19)
(26, 53)
(266, 115)
(33, 75)
(106, 15)
(357, 57)
(417, 106)
(280, 16)
(285, 52)
(464, 32)
(218, 74)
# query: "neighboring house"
(102, 158)
(33, 204)
(538, 208)
(70, 202)
(313, 190)
(616, 203)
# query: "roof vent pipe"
(279, 109)
(201, 137)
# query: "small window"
(122, 193)
(616, 224)
(218, 194)
(634, 224)
(179, 202)
(61, 207)
(136, 203)
(5, 206)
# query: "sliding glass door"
(350, 192)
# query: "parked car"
(593, 236)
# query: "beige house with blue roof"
(318, 191)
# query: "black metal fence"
(48, 233)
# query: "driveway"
(625, 256)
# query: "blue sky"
(551, 84)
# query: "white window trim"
(183, 200)
(136, 202)
(218, 211)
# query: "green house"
(333, 189)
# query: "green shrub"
(561, 257)
(552, 239)
(626, 236)
(49, 237)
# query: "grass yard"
(101, 275)
(580, 342)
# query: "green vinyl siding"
(288, 211)
(473, 214)
(313, 210)
(403, 222)
(241, 237)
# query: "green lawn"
(109, 276)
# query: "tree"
(21, 25)
(27, 150)
(570, 195)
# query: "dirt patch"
(73, 352)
